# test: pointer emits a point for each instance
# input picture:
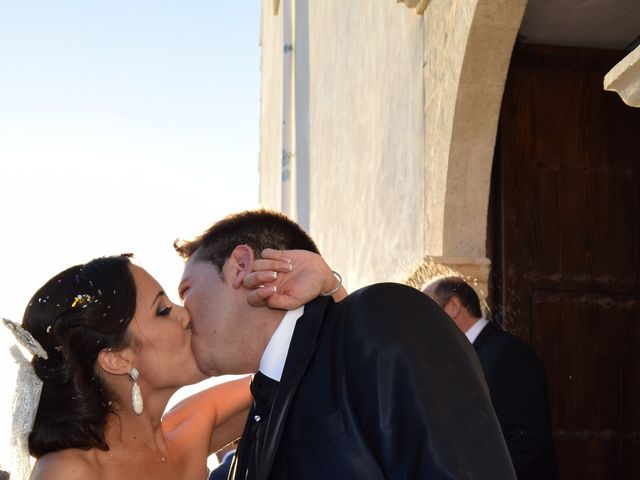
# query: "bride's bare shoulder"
(65, 464)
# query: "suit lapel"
(303, 344)
(485, 333)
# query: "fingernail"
(271, 289)
(274, 275)
(288, 260)
(290, 266)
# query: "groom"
(381, 385)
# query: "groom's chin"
(207, 369)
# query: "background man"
(515, 376)
(360, 389)
(225, 457)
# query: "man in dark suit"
(515, 376)
(225, 458)
(360, 389)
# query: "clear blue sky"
(123, 124)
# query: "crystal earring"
(136, 396)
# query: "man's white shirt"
(275, 354)
(475, 329)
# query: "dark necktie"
(264, 391)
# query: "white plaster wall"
(270, 107)
(396, 114)
(366, 130)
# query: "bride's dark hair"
(75, 315)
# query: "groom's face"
(212, 304)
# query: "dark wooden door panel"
(565, 245)
(577, 335)
(589, 343)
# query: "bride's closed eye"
(164, 311)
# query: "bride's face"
(161, 332)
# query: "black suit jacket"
(518, 386)
(381, 386)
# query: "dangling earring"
(136, 396)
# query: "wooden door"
(564, 239)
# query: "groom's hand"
(288, 279)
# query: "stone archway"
(468, 46)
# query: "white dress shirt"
(275, 354)
(475, 329)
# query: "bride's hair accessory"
(136, 396)
(25, 400)
(81, 300)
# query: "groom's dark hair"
(258, 229)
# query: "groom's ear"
(241, 264)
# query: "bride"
(114, 350)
